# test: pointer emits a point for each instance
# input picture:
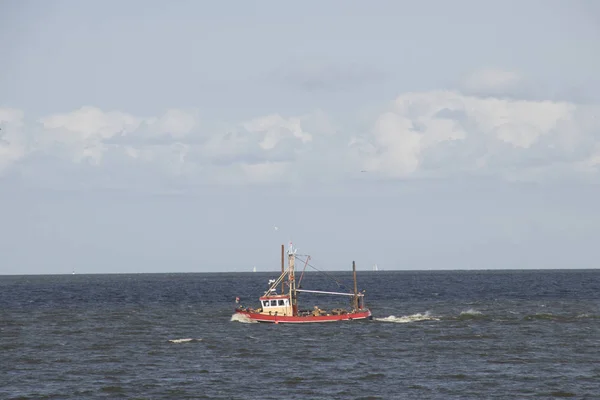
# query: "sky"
(155, 136)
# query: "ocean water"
(435, 335)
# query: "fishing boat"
(284, 308)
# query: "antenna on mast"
(291, 249)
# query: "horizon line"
(337, 270)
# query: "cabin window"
(273, 303)
(266, 303)
(281, 302)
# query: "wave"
(242, 318)
(408, 318)
(187, 340)
(471, 314)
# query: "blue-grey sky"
(155, 136)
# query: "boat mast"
(282, 267)
(292, 280)
(355, 299)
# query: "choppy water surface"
(435, 335)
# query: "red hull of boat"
(304, 320)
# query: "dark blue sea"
(435, 335)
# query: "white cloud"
(399, 146)
(174, 123)
(479, 134)
(420, 134)
(88, 133)
(11, 116)
(275, 128)
(81, 132)
(89, 124)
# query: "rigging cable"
(340, 285)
